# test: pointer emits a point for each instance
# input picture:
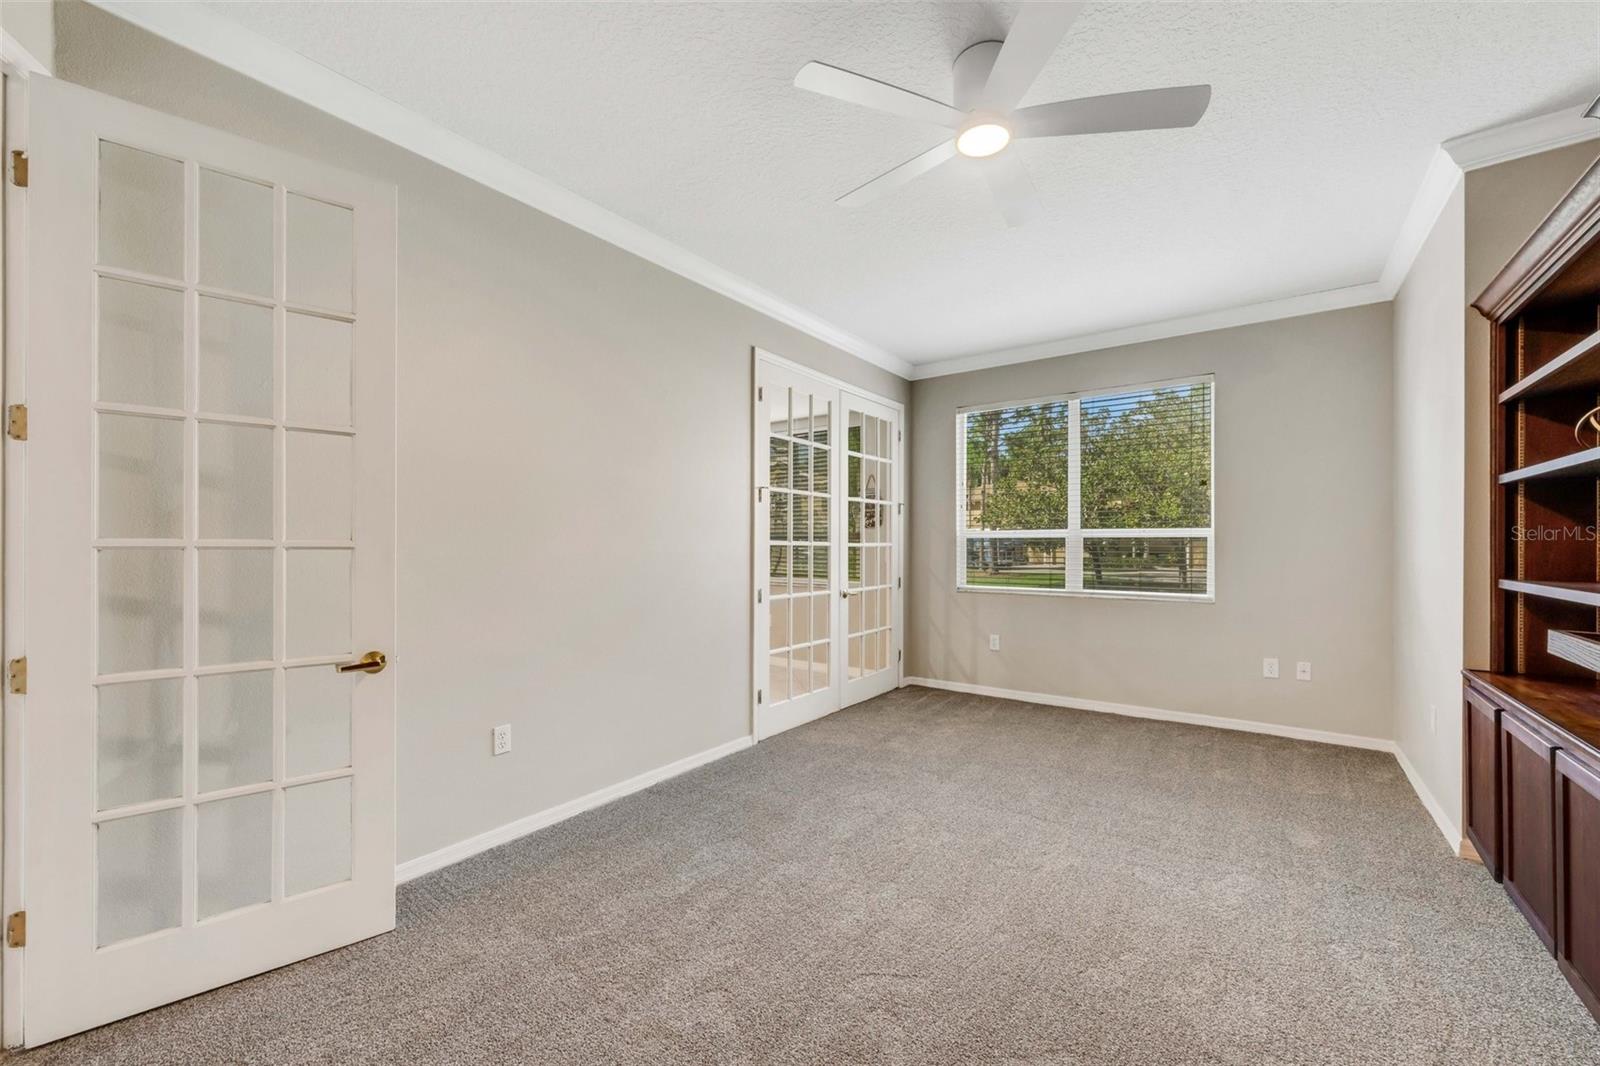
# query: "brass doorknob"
(371, 663)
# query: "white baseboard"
(1452, 835)
(1129, 710)
(453, 853)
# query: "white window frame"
(1075, 534)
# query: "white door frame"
(15, 291)
(758, 549)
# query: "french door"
(827, 568)
(871, 599)
(203, 531)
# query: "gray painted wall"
(1430, 474)
(1304, 513)
(574, 470)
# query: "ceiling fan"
(991, 77)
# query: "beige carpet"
(934, 878)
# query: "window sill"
(1162, 597)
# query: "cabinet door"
(1577, 794)
(1527, 821)
(1480, 777)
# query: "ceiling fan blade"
(1013, 190)
(1035, 32)
(878, 95)
(1146, 109)
(892, 179)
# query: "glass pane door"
(799, 596)
(205, 795)
(827, 521)
(872, 518)
(796, 524)
(212, 493)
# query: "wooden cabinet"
(1532, 805)
(1530, 761)
(1577, 810)
(1480, 772)
(1527, 811)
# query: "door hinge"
(19, 168)
(758, 595)
(900, 656)
(760, 394)
(17, 929)
(899, 434)
(899, 582)
(761, 493)
(17, 421)
(17, 676)
(758, 696)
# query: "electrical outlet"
(994, 641)
(1302, 671)
(502, 739)
(1269, 668)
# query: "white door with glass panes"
(206, 546)
(827, 577)
(871, 596)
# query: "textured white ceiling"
(682, 118)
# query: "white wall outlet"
(502, 739)
(1269, 668)
(1302, 671)
(994, 641)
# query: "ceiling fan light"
(984, 139)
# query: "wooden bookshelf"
(1531, 723)
(1544, 314)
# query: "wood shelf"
(1586, 593)
(1579, 464)
(1577, 367)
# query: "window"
(1103, 493)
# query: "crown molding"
(223, 41)
(1445, 170)
(1439, 182)
(1513, 140)
(16, 59)
(1226, 318)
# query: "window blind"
(1104, 493)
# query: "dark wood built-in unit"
(1480, 773)
(1577, 812)
(1527, 814)
(1531, 724)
